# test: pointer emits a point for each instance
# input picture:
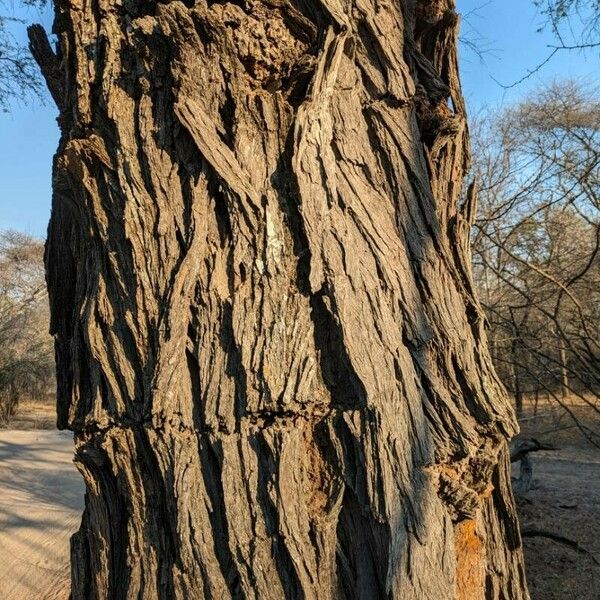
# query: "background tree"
(267, 341)
(19, 77)
(26, 353)
(536, 241)
(562, 13)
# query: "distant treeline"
(26, 349)
(536, 241)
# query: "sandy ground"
(565, 500)
(41, 501)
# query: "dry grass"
(34, 414)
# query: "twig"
(531, 72)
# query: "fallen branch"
(526, 446)
(521, 453)
(560, 539)
(532, 417)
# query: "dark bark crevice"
(212, 467)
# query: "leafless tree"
(19, 77)
(536, 240)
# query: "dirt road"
(41, 500)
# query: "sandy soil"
(565, 500)
(41, 500)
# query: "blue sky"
(506, 29)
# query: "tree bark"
(268, 345)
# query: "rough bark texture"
(267, 341)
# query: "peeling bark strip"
(267, 341)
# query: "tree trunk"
(516, 375)
(267, 340)
(564, 373)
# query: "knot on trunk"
(463, 485)
(273, 48)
